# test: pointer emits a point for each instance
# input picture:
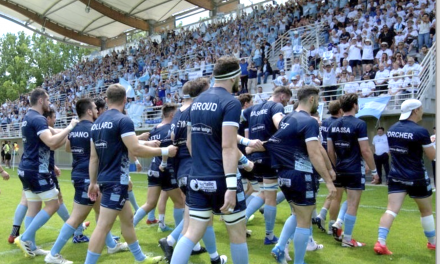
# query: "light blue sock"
(178, 215)
(383, 233)
(349, 221)
(65, 233)
(109, 241)
(280, 197)
(92, 257)
(79, 231)
(182, 251)
(180, 236)
(342, 211)
(270, 213)
(39, 220)
(254, 205)
(62, 212)
(300, 244)
(133, 200)
(239, 253)
(176, 231)
(140, 213)
(323, 213)
(287, 232)
(27, 221)
(209, 240)
(249, 199)
(151, 215)
(19, 215)
(137, 251)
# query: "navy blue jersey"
(52, 161)
(210, 111)
(260, 124)
(241, 129)
(178, 127)
(36, 155)
(345, 133)
(324, 130)
(407, 140)
(79, 139)
(163, 134)
(287, 147)
(107, 133)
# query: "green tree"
(25, 61)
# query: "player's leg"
(427, 219)
(129, 234)
(335, 206)
(237, 237)
(353, 199)
(302, 231)
(132, 197)
(113, 246)
(161, 206)
(19, 216)
(179, 204)
(270, 208)
(395, 201)
(152, 199)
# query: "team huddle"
(217, 154)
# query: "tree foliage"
(25, 61)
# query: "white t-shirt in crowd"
(381, 144)
(367, 88)
(367, 52)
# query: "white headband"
(227, 76)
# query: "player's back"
(210, 111)
(179, 128)
(79, 139)
(324, 129)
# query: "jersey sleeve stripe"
(127, 134)
(230, 124)
(311, 139)
(329, 139)
(429, 145)
(362, 139)
(42, 131)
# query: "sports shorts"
(298, 187)
(114, 195)
(417, 190)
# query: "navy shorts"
(263, 171)
(249, 175)
(114, 195)
(81, 189)
(55, 180)
(353, 63)
(36, 182)
(164, 179)
(367, 61)
(298, 187)
(183, 182)
(417, 190)
(208, 193)
(351, 182)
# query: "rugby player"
(347, 144)
(112, 138)
(408, 141)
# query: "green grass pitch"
(406, 238)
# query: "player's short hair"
(334, 107)
(168, 109)
(244, 98)
(116, 94)
(83, 105)
(36, 94)
(380, 128)
(49, 113)
(305, 92)
(201, 84)
(226, 65)
(100, 103)
(282, 90)
(186, 88)
(347, 101)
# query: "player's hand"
(57, 171)
(249, 167)
(331, 190)
(138, 167)
(375, 178)
(5, 175)
(249, 150)
(74, 122)
(152, 143)
(144, 136)
(255, 143)
(172, 151)
(93, 191)
(332, 174)
(367, 169)
(230, 201)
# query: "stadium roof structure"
(93, 21)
